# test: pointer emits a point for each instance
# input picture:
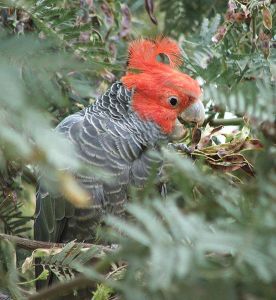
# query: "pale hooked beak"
(194, 113)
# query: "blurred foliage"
(214, 237)
(9, 275)
(185, 17)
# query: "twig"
(63, 289)
(115, 271)
(253, 47)
(209, 118)
(227, 122)
(33, 244)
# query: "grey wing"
(52, 212)
(51, 216)
(101, 146)
(98, 147)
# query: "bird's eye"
(173, 101)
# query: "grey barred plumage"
(108, 135)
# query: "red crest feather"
(143, 53)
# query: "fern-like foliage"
(176, 252)
(240, 80)
(12, 221)
(184, 16)
(64, 262)
(83, 27)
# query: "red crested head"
(161, 91)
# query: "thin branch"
(253, 47)
(227, 122)
(116, 271)
(64, 288)
(33, 244)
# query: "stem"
(227, 122)
(210, 118)
(64, 288)
(253, 31)
(115, 271)
(33, 244)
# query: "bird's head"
(161, 92)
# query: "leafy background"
(214, 237)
